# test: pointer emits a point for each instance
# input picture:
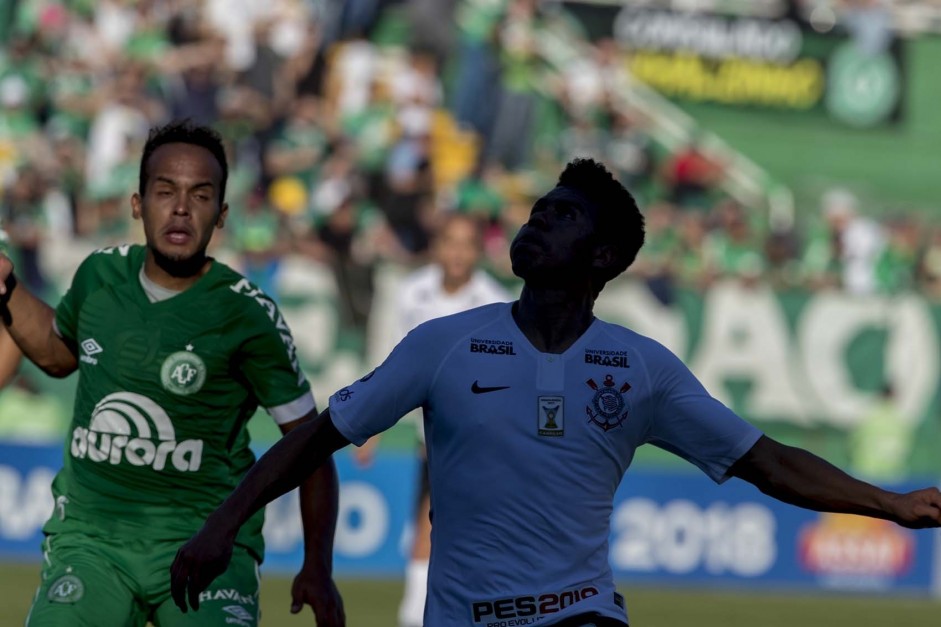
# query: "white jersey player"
(533, 412)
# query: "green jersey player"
(175, 351)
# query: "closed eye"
(565, 211)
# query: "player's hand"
(197, 563)
(315, 588)
(919, 509)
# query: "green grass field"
(373, 604)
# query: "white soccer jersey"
(526, 450)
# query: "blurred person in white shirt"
(861, 240)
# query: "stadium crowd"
(353, 126)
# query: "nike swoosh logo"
(476, 389)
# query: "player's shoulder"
(113, 264)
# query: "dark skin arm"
(314, 585)
(10, 357)
(798, 477)
(290, 461)
(29, 322)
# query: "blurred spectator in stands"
(426, 18)
(298, 146)
(69, 155)
(881, 443)
(482, 196)
(843, 251)
(591, 82)
(511, 137)
(371, 131)
(629, 152)
(896, 267)
(656, 264)
(259, 239)
(689, 262)
(106, 218)
(235, 21)
(351, 19)
(782, 256)
(261, 77)
(336, 181)
(75, 96)
(733, 248)
(352, 85)
(416, 91)
(195, 72)
(115, 22)
(341, 239)
(691, 176)
(479, 194)
(24, 221)
(929, 267)
(22, 94)
(129, 110)
(409, 192)
(862, 241)
(581, 138)
(478, 63)
(305, 70)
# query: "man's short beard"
(180, 268)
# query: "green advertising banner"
(782, 64)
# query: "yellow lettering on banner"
(732, 81)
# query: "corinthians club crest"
(607, 407)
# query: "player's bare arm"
(30, 324)
(291, 460)
(10, 357)
(800, 478)
(313, 585)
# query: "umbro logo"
(90, 347)
(477, 389)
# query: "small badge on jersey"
(551, 418)
(183, 372)
(66, 589)
(607, 408)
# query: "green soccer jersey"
(166, 389)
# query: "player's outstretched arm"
(286, 464)
(10, 357)
(313, 585)
(30, 323)
(800, 478)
